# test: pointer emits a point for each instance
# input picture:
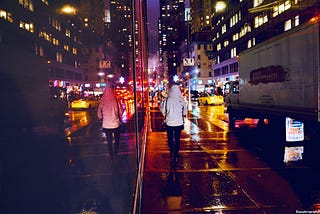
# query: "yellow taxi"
(85, 103)
(208, 99)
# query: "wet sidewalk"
(213, 175)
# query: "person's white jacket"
(174, 108)
(109, 110)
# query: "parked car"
(85, 103)
(208, 99)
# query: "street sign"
(105, 64)
(188, 62)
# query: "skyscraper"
(172, 35)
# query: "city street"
(249, 71)
(219, 171)
(222, 171)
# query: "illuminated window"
(223, 29)
(45, 35)
(287, 5)
(235, 37)
(6, 16)
(260, 20)
(74, 51)
(249, 45)
(275, 11)
(56, 24)
(28, 4)
(225, 43)
(66, 47)
(296, 21)
(41, 51)
(257, 3)
(235, 19)
(233, 52)
(55, 41)
(218, 47)
(58, 57)
(27, 26)
(68, 33)
(3, 14)
(287, 25)
(45, 1)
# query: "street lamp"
(220, 6)
(68, 9)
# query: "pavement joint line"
(231, 177)
(164, 151)
(152, 170)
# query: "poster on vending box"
(294, 130)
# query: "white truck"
(279, 78)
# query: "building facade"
(202, 72)
(172, 36)
(244, 24)
(39, 28)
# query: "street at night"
(222, 171)
(219, 170)
(159, 106)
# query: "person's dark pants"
(113, 134)
(174, 134)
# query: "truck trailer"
(279, 78)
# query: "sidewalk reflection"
(173, 192)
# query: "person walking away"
(174, 108)
(110, 111)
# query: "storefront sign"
(268, 74)
(188, 62)
(294, 130)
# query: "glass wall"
(54, 154)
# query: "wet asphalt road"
(225, 171)
(219, 171)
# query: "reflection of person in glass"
(174, 108)
(110, 111)
(174, 196)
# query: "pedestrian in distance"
(110, 112)
(174, 108)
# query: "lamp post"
(189, 91)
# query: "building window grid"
(28, 4)
(280, 8)
(260, 20)
(27, 26)
(6, 16)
